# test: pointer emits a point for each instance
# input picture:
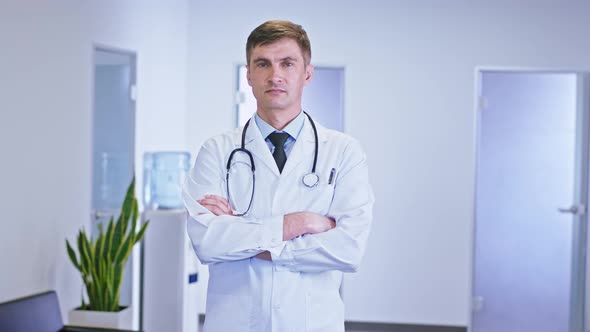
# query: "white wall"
(45, 122)
(409, 99)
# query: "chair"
(38, 313)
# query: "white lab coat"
(300, 289)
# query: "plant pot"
(122, 319)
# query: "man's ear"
(248, 74)
(308, 73)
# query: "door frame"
(237, 91)
(134, 261)
(579, 283)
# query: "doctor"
(281, 208)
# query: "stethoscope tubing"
(243, 149)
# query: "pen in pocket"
(331, 178)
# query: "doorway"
(113, 150)
(323, 97)
(531, 198)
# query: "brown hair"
(271, 31)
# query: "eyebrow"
(288, 58)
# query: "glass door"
(113, 131)
(113, 151)
(531, 196)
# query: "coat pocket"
(317, 199)
(228, 313)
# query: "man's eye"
(288, 64)
(261, 65)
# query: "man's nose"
(276, 74)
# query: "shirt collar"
(293, 128)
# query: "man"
(278, 241)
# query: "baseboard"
(383, 327)
(386, 327)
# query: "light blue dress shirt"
(293, 129)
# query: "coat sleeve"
(342, 247)
(223, 238)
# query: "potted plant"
(101, 262)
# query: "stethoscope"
(310, 180)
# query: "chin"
(274, 107)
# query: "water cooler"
(170, 267)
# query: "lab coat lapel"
(260, 151)
(304, 148)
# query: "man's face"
(277, 74)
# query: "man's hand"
(264, 255)
(219, 206)
(300, 223)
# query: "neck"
(278, 119)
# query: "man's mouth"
(275, 91)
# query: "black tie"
(278, 140)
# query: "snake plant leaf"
(129, 199)
(117, 238)
(123, 251)
(106, 287)
(114, 285)
(118, 273)
(79, 244)
(133, 228)
(91, 291)
(87, 251)
(86, 245)
(100, 268)
(122, 224)
(134, 212)
(84, 258)
(109, 290)
(72, 255)
(98, 249)
(108, 239)
(123, 220)
(141, 232)
(96, 298)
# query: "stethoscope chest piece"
(311, 180)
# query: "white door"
(531, 162)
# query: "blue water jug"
(164, 174)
